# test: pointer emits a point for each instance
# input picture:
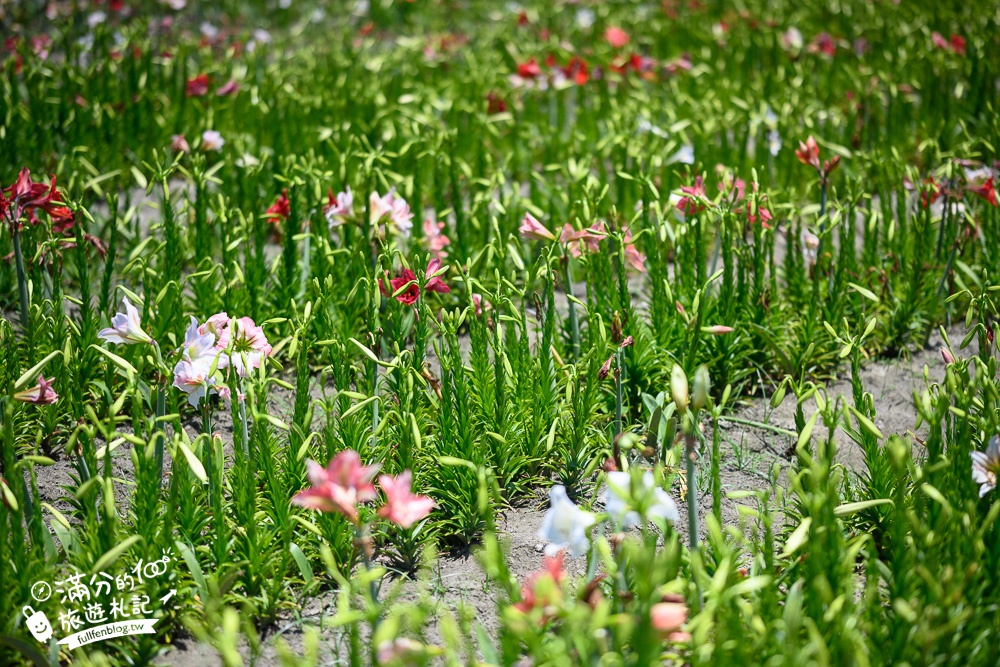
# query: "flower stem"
(22, 279)
(574, 322)
(692, 498)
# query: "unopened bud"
(616, 328)
(948, 357)
(702, 383)
(679, 388)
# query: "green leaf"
(300, 559)
(853, 508)
(129, 369)
(797, 538)
(113, 554)
(32, 373)
(194, 463)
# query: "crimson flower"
(495, 104)
(985, 190)
(577, 71)
(408, 296)
(196, 86)
(339, 487)
(529, 69)
(280, 209)
(402, 507)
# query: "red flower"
(986, 190)
(280, 209)
(529, 70)
(689, 205)
(197, 86)
(495, 104)
(577, 71)
(930, 192)
(408, 296)
(616, 37)
(957, 44)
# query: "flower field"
(463, 332)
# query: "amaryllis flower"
(532, 229)
(215, 324)
(955, 43)
(529, 69)
(179, 144)
(808, 153)
(41, 394)
(634, 258)
(407, 278)
(985, 190)
(402, 507)
(196, 86)
(194, 379)
(199, 346)
(579, 241)
(436, 240)
(480, 304)
(231, 87)
(339, 487)
(986, 467)
(542, 588)
(126, 328)
(565, 525)
(825, 44)
(392, 207)
(338, 209)
(280, 209)
(24, 195)
(616, 37)
(434, 283)
(691, 203)
(245, 344)
(211, 140)
(667, 618)
(621, 503)
(577, 71)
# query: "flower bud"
(679, 388)
(616, 329)
(702, 383)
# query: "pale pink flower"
(192, 377)
(41, 394)
(401, 650)
(632, 255)
(199, 346)
(402, 507)
(125, 329)
(986, 467)
(215, 324)
(667, 618)
(179, 144)
(531, 228)
(339, 487)
(245, 344)
(480, 304)
(436, 240)
(339, 208)
(393, 207)
(212, 141)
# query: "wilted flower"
(565, 525)
(212, 141)
(402, 507)
(621, 504)
(125, 329)
(986, 467)
(196, 86)
(532, 229)
(667, 618)
(339, 487)
(41, 394)
(280, 209)
(339, 208)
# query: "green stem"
(22, 279)
(574, 322)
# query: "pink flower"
(955, 43)
(245, 343)
(199, 346)
(396, 208)
(479, 304)
(825, 44)
(41, 394)
(179, 144)
(616, 37)
(125, 329)
(667, 618)
(717, 329)
(339, 487)
(193, 379)
(339, 208)
(532, 229)
(436, 240)
(550, 576)
(402, 507)
(690, 205)
(211, 140)
(632, 255)
(808, 153)
(215, 324)
(434, 283)
(231, 87)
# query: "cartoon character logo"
(38, 624)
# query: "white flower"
(685, 155)
(212, 141)
(773, 142)
(565, 525)
(208, 31)
(193, 379)
(96, 19)
(585, 18)
(125, 329)
(200, 347)
(619, 502)
(176, 5)
(985, 466)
